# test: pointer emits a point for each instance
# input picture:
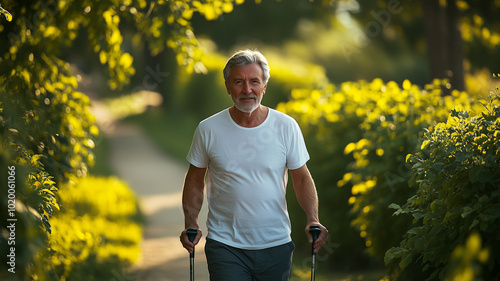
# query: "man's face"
(246, 86)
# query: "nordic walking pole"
(191, 233)
(315, 231)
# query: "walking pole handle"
(315, 231)
(191, 233)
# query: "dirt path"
(157, 180)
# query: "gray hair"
(245, 57)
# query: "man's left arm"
(305, 191)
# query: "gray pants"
(226, 263)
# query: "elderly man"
(247, 150)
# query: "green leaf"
(438, 166)
(412, 180)
(425, 267)
(418, 215)
(394, 206)
(416, 230)
(467, 211)
(405, 261)
(436, 229)
(493, 211)
(419, 244)
(473, 174)
(474, 224)
(394, 253)
(484, 199)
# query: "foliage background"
(457, 199)
(355, 74)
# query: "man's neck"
(249, 120)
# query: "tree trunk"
(444, 42)
(455, 47)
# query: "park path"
(157, 180)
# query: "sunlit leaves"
(457, 202)
(389, 120)
(212, 9)
(51, 122)
(170, 22)
(110, 52)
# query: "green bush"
(392, 128)
(358, 137)
(47, 136)
(96, 235)
(457, 172)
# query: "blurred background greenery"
(364, 79)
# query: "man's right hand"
(185, 240)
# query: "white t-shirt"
(247, 177)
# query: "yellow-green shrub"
(112, 198)
(457, 173)
(376, 125)
(47, 134)
(393, 127)
(97, 233)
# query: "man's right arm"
(192, 200)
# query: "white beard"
(247, 108)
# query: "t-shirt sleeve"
(297, 154)
(197, 155)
